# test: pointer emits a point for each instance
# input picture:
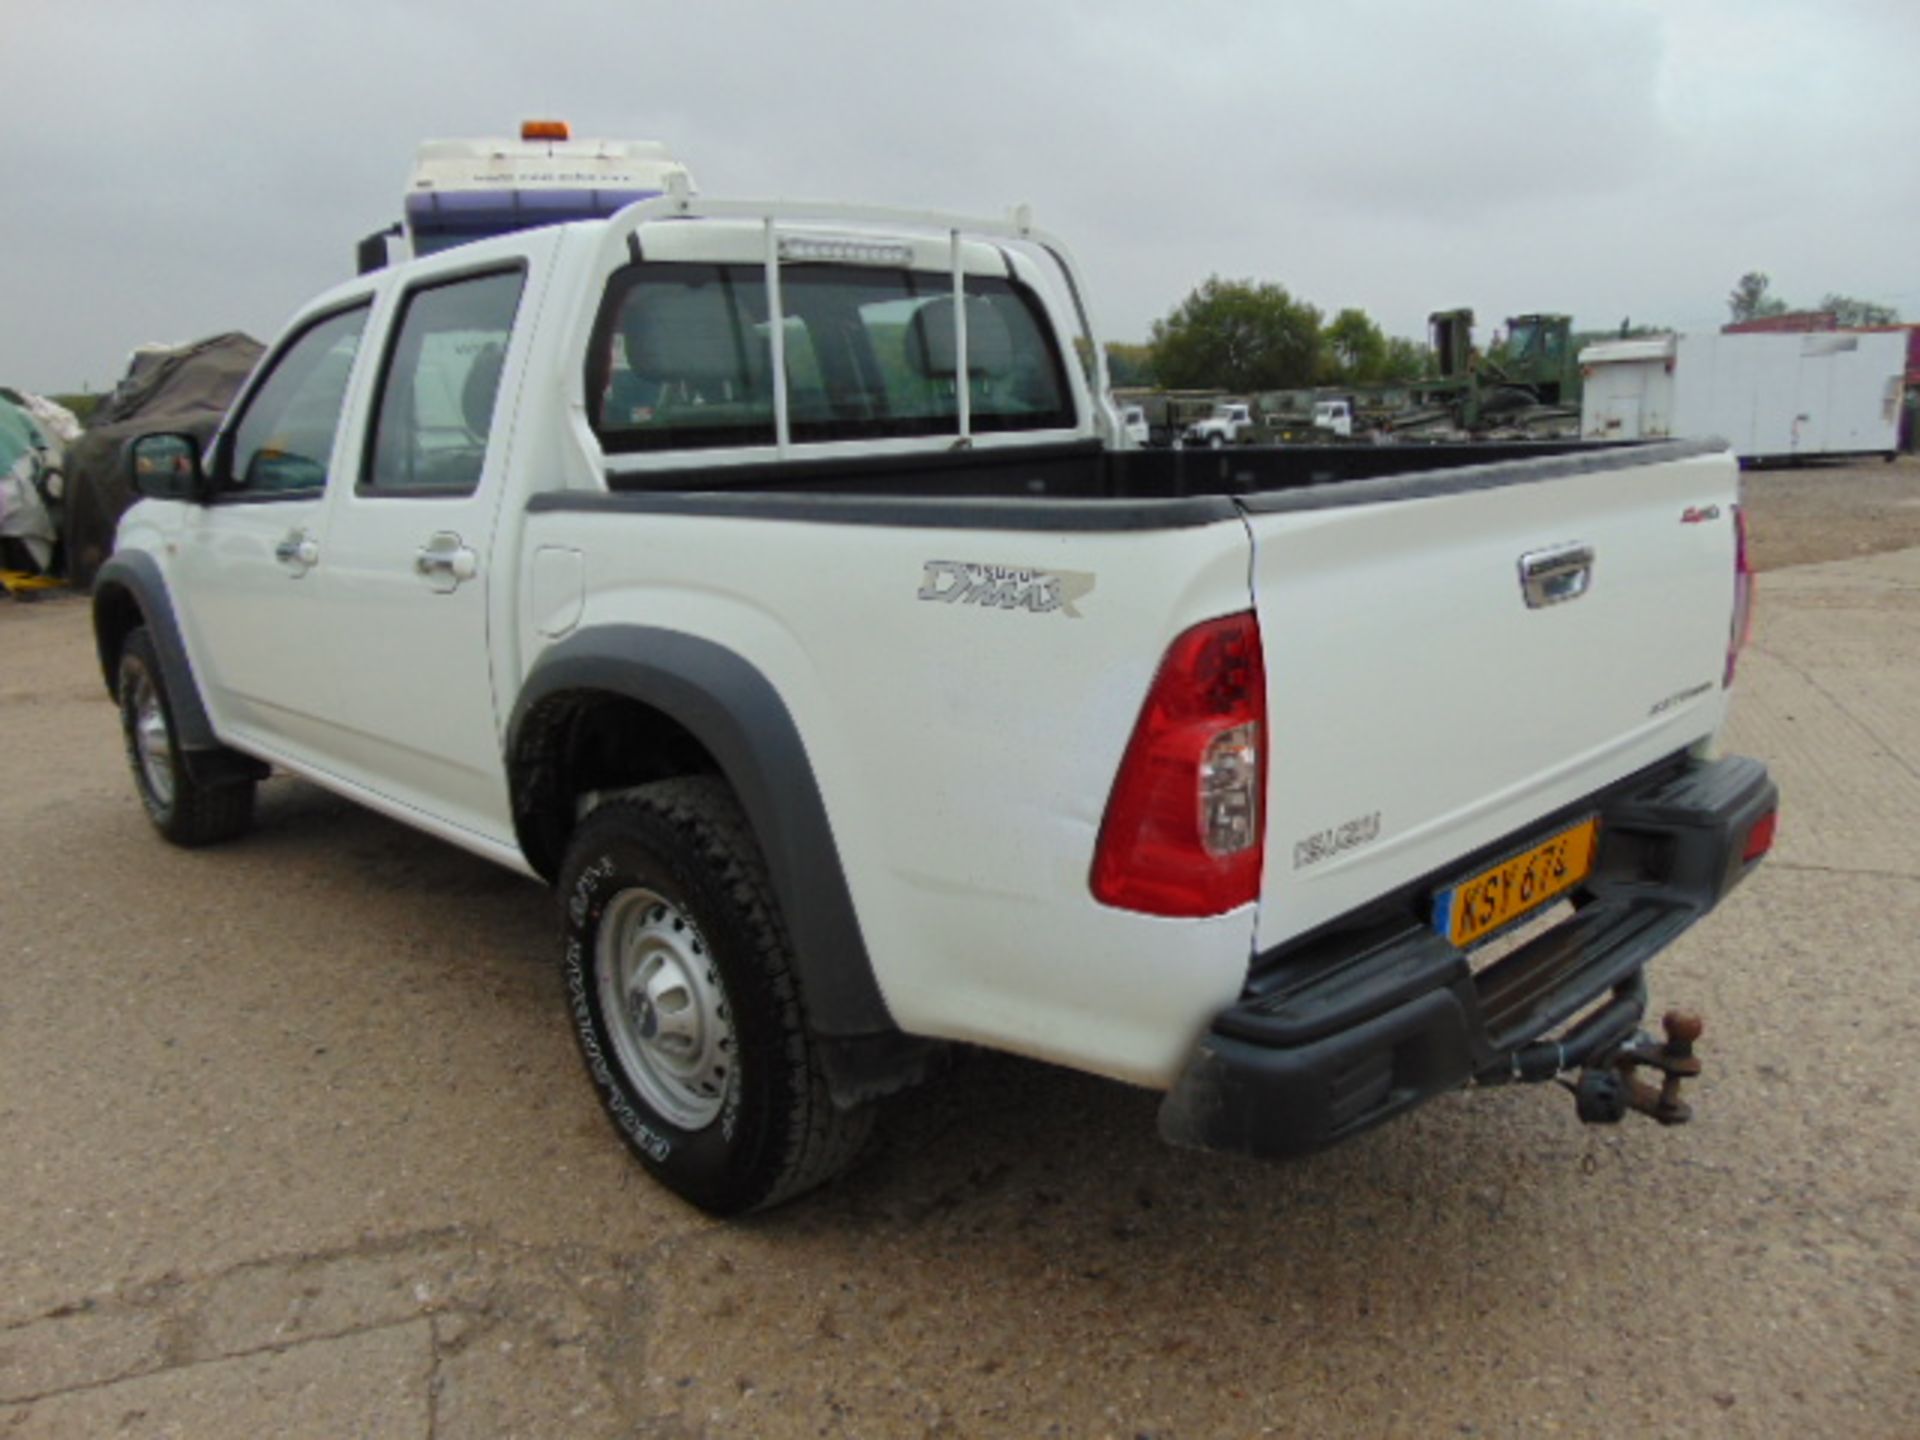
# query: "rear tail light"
(1183, 832)
(1760, 837)
(1742, 626)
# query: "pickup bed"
(858, 698)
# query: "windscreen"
(684, 359)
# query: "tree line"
(1244, 335)
(1752, 298)
(1247, 336)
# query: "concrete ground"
(294, 1141)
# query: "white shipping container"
(1770, 396)
(1783, 396)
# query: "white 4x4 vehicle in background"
(1230, 423)
(768, 580)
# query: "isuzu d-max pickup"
(769, 580)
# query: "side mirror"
(166, 466)
(371, 253)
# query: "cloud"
(1603, 157)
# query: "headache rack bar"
(680, 203)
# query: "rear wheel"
(684, 1002)
(182, 809)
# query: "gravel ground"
(1817, 512)
(295, 1142)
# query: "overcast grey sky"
(174, 169)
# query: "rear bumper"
(1366, 1022)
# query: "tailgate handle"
(1548, 577)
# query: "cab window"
(691, 361)
(283, 443)
(870, 353)
(442, 380)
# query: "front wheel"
(182, 809)
(684, 1002)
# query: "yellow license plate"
(1477, 907)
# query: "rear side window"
(686, 357)
(441, 382)
(283, 443)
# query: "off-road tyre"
(777, 1132)
(184, 811)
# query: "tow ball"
(1611, 1086)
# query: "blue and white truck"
(467, 190)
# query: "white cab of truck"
(1335, 417)
(771, 580)
(1229, 423)
(473, 189)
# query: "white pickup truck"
(767, 580)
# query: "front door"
(248, 560)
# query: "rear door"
(1423, 704)
(1614, 401)
(410, 550)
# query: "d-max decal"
(1005, 587)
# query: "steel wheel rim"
(665, 1008)
(152, 745)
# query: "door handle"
(1549, 577)
(299, 550)
(446, 561)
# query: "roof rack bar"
(681, 203)
(777, 336)
(962, 376)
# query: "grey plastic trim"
(726, 704)
(1430, 484)
(138, 573)
(908, 512)
(1102, 514)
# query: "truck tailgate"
(1421, 709)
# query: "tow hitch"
(1610, 1086)
(1607, 1050)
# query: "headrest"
(930, 340)
(689, 333)
(476, 395)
